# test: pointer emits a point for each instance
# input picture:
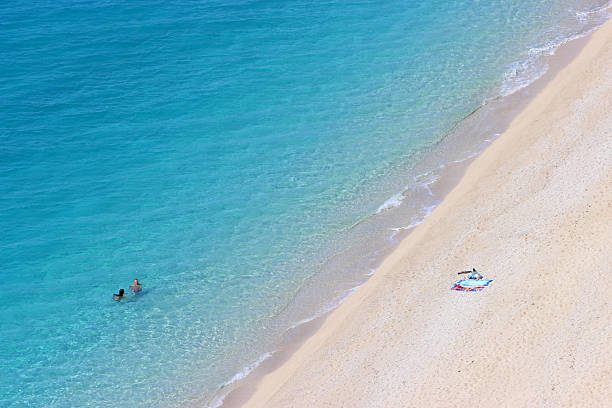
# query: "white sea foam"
(393, 201)
(583, 15)
(427, 212)
(523, 73)
(332, 305)
(473, 154)
(239, 376)
(424, 181)
(311, 318)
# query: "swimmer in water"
(118, 296)
(135, 287)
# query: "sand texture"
(533, 213)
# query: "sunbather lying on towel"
(473, 274)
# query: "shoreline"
(507, 110)
(270, 380)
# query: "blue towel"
(474, 282)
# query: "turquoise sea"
(240, 157)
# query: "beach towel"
(471, 285)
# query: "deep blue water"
(214, 150)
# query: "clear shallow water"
(220, 152)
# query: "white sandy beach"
(533, 213)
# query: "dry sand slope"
(534, 213)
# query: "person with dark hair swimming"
(118, 296)
(135, 287)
